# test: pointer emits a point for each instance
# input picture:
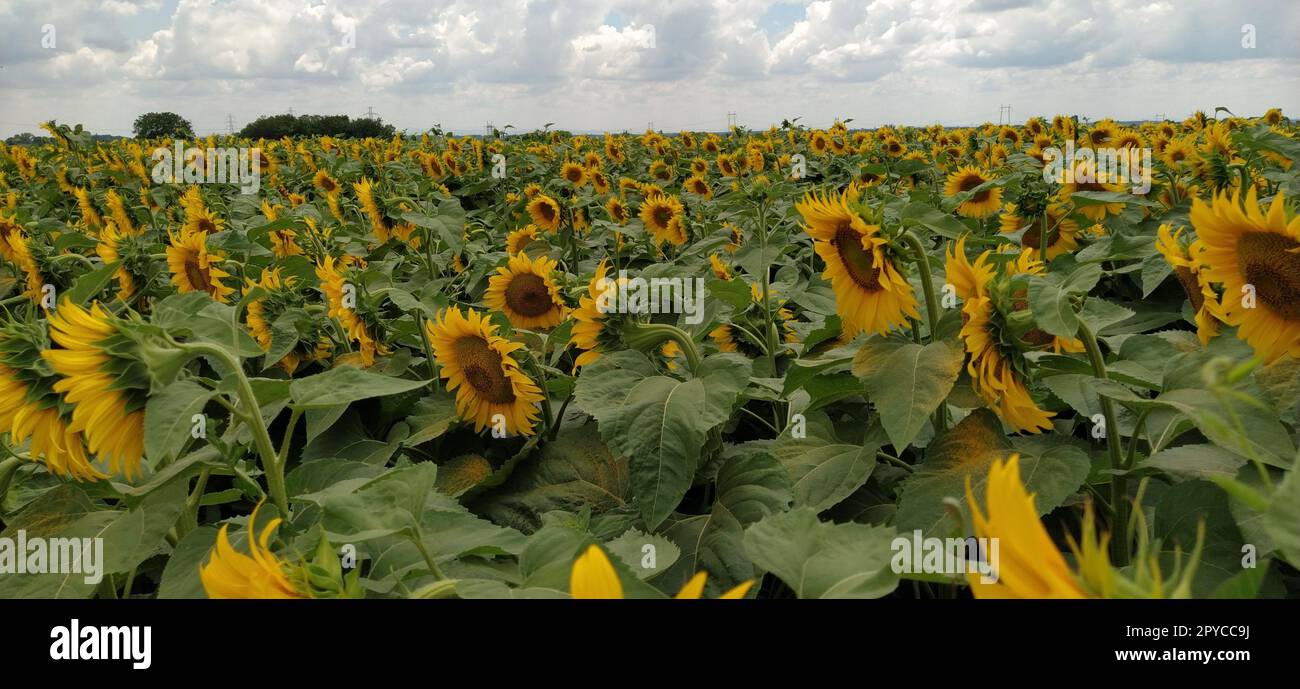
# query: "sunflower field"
(427, 367)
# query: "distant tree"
(160, 125)
(27, 139)
(279, 126)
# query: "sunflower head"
(229, 573)
(545, 212)
(194, 268)
(1255, 255)
(480, 367)
(525, 291)
(979, 204)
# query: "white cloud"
(618, 63)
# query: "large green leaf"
(167, 418)
(909, 383)
(659, 423)
(821, 559)
(1049, 299)
(574, 471)
(345, 384)
(751, 485)
(822, 469)
(1050, 469)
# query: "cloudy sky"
(622, 64)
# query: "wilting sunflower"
(260, 574)
(525, 292)
(479, 365)
(1256, 256)
(593, 577)
(662, 215)
(31, 409)
(1062, 230)
(517, 240)
(545, 212)
(982, 204)
(870, 292)
(109, 413)
(194, 268)
(1193, 277)
(574, 174)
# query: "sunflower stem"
(8, 468)
(1118, 484)
(257, 425)
(931, 308)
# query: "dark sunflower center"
(575, 175)
(197, 276)
(1098, 137)
(1190, 286)
(857, 261)
(1271, 263)
(527, 294)
(482, 368)
(970, 182)
(661, 215)
(206, 226)
(546, 211)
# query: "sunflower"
(720, 269)
(1256, 256)
(479, 366)
(1087, 177)
(30, 409)
(1061, 229)
(202, 221)
(366, 197)
(589, 333)
(662, 215)
(545, 212)
(993, 374)
(981, 204)
(593, 577)
(574, 174)
(616, 210)
(520, 238)
(260, 574)
(727, 165)
(1179, 153)
(1273, 116)
(194, 268)
(326, 183)
(109, 414)
(525, 292)
(699, 186)
(20, 249)
(1028, 563)
(1193, 277)
(333, 280)
(109, 250)
(870, 292)
(257, 316)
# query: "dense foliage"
(392, 370)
